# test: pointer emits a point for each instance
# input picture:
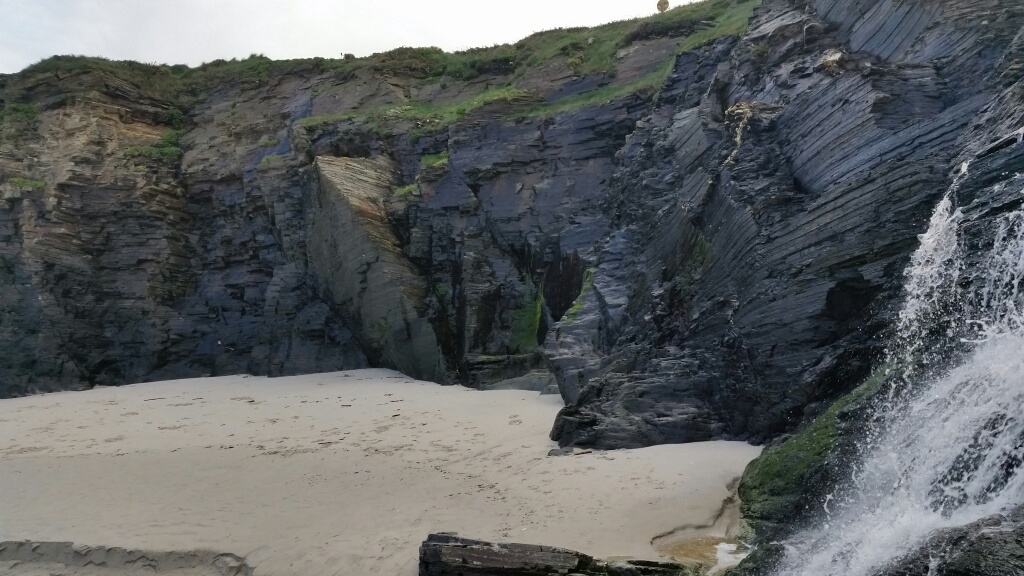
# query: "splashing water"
(949, 446)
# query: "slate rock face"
(718, 260)
(761, 230)
(787, 487)
(358, 260)
(118, 269)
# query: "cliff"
(695, 224)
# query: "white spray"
(949, 445)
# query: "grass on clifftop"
(593, 50)
(588, 50)
(425, 116)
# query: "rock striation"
(358, 260)
(763, 214)
(704, 239)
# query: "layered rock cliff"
(696, 228)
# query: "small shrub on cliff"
(20, 114)
(166, 151)
(176, 118)
(577, 305)
(272, 161)
(18, 121)
(439, 160)
(406, 191)
(759, 53)
(26, 184)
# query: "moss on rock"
(785, 480)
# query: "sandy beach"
(342, 473)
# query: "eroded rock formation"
(714, 258)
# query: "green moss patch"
(406, 191)
(19, 114)
(167, 151)
(526, 324)
(439, 160)
(26, 184)
(775, 486)
(425, 117)
(577, 305)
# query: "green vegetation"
(179, 83)
(577, 305)
(166, 151)
(424, 117)
(648, 84)
(269, 142)
(732, 21)
(433, 62)
(19, 114)
(593, 50)
(176, 118)
(439, 160)
(587, 50)
(26, 184)
(776, 484)
(730, 18)
(406, 191)
(526, 323)
(272, 160)
(695, 263)
(442, 291)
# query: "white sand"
(340, 473)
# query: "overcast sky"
(196, 31)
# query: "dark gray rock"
(990, 547)
(359, 263)
(720, 261)
(760, 235)
(450, 555)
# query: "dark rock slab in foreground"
(30, 558)
(450, 555)
(992, 546)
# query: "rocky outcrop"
(117, 268)
(787, 487)
(450, 555)
(990, 547)
(763, 214)
(361, 269)
(716, 257)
